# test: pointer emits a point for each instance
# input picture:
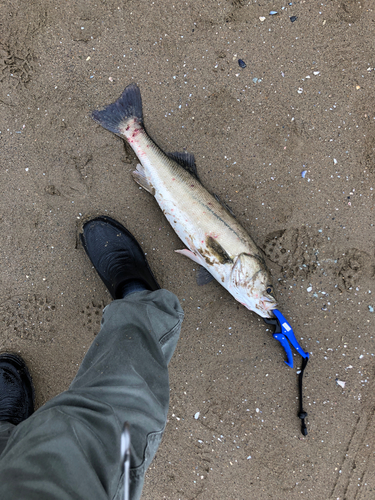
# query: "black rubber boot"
(16, 389)
(117, 256)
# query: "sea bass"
(213, 237)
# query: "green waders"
(70, 447)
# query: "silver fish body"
(213, 237)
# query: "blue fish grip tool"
(284, 334)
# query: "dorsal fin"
(186, 160)
(224, 205)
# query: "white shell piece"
(340, 383)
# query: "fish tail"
(115, 116)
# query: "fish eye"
(269, 289)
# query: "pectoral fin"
(191, 255)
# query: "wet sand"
(288, 142)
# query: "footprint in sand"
(295, 250)
(28, 318)
(92, 315)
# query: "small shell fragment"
(273, 12)
(303, 173)
(242, 63)
(196, 416)
(261, 19)
(340, 383)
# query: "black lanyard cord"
(302, 414)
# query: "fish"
(213, 237)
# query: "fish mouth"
(268, 306)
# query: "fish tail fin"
(128, 106)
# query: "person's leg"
(70, 448)
(6, 429)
